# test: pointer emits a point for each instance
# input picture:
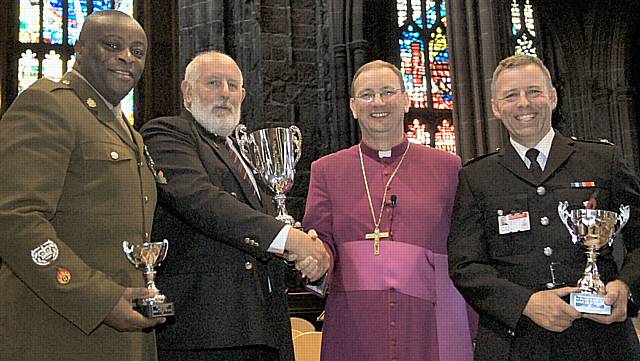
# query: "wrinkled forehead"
(376, 78)
(219, 66)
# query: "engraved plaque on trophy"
(146, 256)
(272, 154)
(593, 229)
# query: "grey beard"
(221, 126)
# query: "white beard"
(221, 126)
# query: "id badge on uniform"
(514, 222)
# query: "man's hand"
(549, 311)
(309, 253)
(124, 318)
(617, 296)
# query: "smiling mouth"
(379, 114)
(525, 117)
(123, 73)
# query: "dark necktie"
(532, 155)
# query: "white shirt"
(543, 146)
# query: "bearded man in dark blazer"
(223, 271)
(76, 184)
(510, 254)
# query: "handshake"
(308, 252)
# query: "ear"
(407, 102)
(554, 98)
(244, 93)
(186, 92)
(495, 109)
(352, 106)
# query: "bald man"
(75, 185)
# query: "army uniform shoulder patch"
(593, 141)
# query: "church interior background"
(298, 58)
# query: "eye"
(510, 97)
(388, 93)
(534, 93)
(137, 52)
(112, 45)
(366, 96)
(233, 87)
(215, 83)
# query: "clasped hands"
(548, 310)
(308, 252)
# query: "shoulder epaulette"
(473, 160)
(596, 141)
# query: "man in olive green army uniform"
(75, 184)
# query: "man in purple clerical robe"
(393, 300)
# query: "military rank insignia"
(45, 254)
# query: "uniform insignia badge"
(91, 103)
(63, 276)
(582, 184)
(45, 254)
(159, 175)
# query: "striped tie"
(240, 166)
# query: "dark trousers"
(248, 353)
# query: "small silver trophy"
(593, 229)
(149, 255)
(272, 154)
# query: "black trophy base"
(155, 310)
(590, 303)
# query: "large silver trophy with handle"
(147, 256)
(593, 229)
(272, 154)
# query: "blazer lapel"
(98, 107)
(512, 162)
(561, 150)
(223, 153)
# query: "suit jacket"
(74, 187)
(498, 273)
(227, 291)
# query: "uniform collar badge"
(91, 103)
(45, 254)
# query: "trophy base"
(155, 310)
(590, 303)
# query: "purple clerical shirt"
(399, 305)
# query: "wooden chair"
(307, 346)
(301, 325)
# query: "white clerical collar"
(116, 109)
(544, 146)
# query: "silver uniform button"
(114, 155)
(510, 332)
(541, 191)
(234, 195)
(548, 251)
(248, 266)
(500, 212)
(544, 221)
(247, 240)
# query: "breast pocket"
(509, 243)
(108, 167)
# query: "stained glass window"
(523, 30)
(445, 137)
(47, 50)
(418, 133)
(424, 53)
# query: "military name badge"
(514, 222)
(45, 254)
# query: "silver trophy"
(272, 154)
(593, 229)
(149, 255)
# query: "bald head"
(110, 53)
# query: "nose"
(523, 99)
(126, 56)
(377, 98)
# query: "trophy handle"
(297, 142)
(163, 250)
(243, 140)
(623, 218)
(564, 217)
(128, 250)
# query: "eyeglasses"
(530, 94)
(385, 94)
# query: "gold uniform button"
(65, 82)
(114, 155)
(146, 236)
(248, 266)
(541, 191)
(146, 199)
(91, 103)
